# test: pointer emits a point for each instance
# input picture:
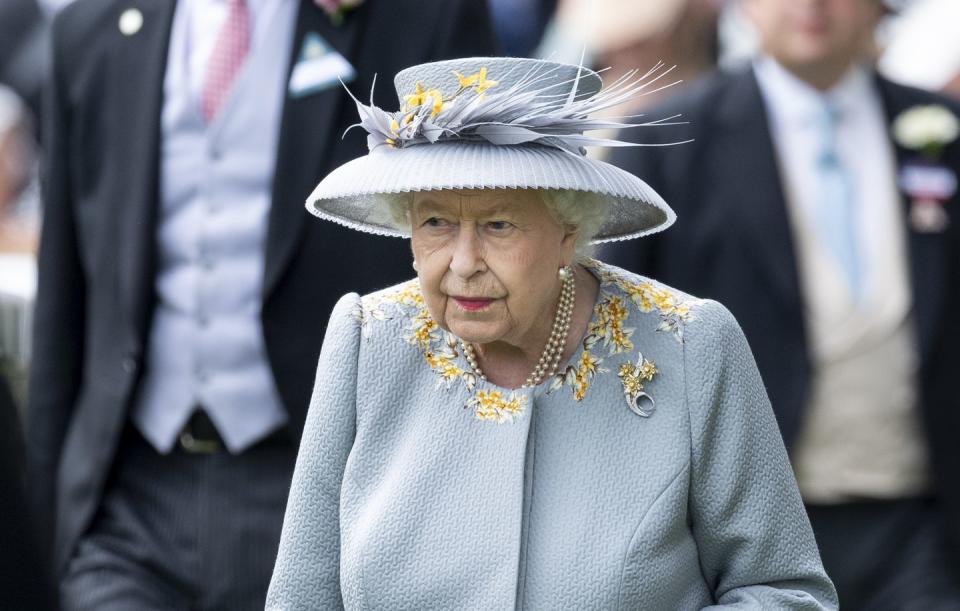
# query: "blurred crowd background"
(916, 42)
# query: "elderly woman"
(522, 426)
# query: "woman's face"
(487, 261)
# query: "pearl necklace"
(550, 358)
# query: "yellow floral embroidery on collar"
(607, 336)
(647, 296)
(493, 406)
(440, 351)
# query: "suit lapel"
(748, 174)
(305, 142)
(139, 65)
(927, 251)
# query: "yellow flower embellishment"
(417, 97)
(444, 366)
(408, 295)
(424, 330)
(633, 376)
(579, 375)
(650, 297)
(479, 81)
(421, 97)
(586, 369)
(608, 327)
(493, 406)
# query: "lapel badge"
(929, 185)
(928, 216)
(633, 376)
(131, 20)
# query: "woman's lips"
(473, 304)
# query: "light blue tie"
(837, 201)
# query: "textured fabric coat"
(647, 474)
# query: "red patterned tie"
(233, 45)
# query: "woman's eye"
(499, 225)
(435, 222)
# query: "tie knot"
(828, 119)
(829, 114)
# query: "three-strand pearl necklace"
(550, 358)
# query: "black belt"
(200, 436)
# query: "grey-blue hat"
(491, 123)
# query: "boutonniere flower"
(337, 9)
(926, 129)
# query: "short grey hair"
(580, 211)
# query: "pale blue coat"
(419, 487)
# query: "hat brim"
(354, 194)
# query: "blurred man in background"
(621, 35)
(180, 308)
(819, 202)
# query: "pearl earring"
(414, 264)
(565, 273)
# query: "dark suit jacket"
(732, 242)
(98, 248)
(24, 583)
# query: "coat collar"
(138, 108)
(751, 179)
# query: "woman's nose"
(468, 252)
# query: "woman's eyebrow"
(429, 205)
(501, 207)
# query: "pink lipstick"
(472, 304)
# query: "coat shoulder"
(394, 310)
(651, 305)
(906, 96)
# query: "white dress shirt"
(861, 434)
(206, 344)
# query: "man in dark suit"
(183, 288)
(833, 238)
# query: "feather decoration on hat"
(527, 111)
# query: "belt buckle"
(192, 445)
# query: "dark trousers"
(183, 531)
(886, 555)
